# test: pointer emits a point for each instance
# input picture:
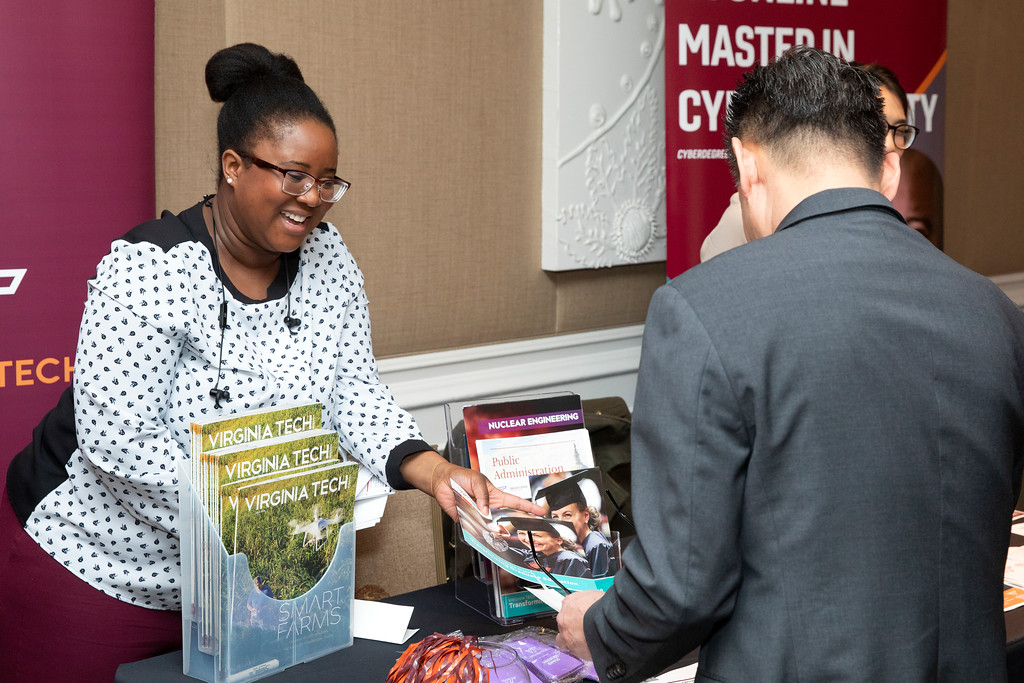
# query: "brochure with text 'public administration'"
(511, 440)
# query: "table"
(1015, 627)
(436, 609)
(1015, 644)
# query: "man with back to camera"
(729, 233)
(828, 431)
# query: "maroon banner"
(76, 140)
(709, 44)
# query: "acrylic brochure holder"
(231, 631)
(482, 585)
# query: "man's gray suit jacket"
(827, 445)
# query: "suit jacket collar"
(836, 201)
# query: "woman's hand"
(431, 473)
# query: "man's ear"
(890, 175)
(746, 164)
(754, 200)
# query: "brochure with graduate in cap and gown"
(546, 550)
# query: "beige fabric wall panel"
(985, 136)
(187, 33)
(589, 298)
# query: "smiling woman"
(243, 301)
(269, 113)
(260, 213)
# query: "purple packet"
(503, 664)
(589, 672)
(549, 663)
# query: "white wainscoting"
(592, 364)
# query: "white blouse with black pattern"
(147, 359)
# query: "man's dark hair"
(807, 100)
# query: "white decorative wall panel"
(603, 197)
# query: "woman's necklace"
(293, 323)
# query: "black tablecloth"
(1015, 627)
(436, 610)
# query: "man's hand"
(570, 623)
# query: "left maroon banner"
(77, 151)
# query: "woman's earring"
(229, 181)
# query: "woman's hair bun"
(260, 92)
(234, 67)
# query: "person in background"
(828, 429)
(729, 232)
(247, 299)
(919, 197)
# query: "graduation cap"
(552, 527)
(582, 488)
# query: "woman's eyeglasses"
(297, 183)
(903, 135)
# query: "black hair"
(261, 91)
(887, 78)
(807, 98)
